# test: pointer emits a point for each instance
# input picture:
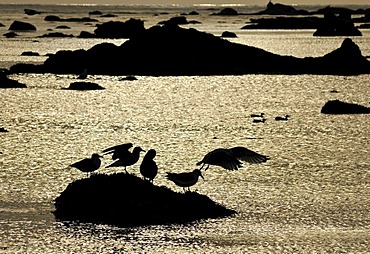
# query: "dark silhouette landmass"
(339, 107)
(125, 200)
(84, 86)
(170, 50)
(6, 82)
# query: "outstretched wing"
(118, 151)
(247, 155)
(223, 158)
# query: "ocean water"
(313, 196)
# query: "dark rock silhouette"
(95, 13)
(339, 107)
(227, 34)
(84, 86)
(284, 23)
(2, 129)
(10, 35)
(56, 35)
(30, 53)
(227, 12)
(340, 25)
(59, 19)
(125, 200)
(31, 12)
(6, 82)
(21, 26)
(172, 50)
(281, 9)
(118, 29)
(62, 27)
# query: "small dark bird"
(257, 120)
(88, 165)
(230, 158)
(282, 118)
(185, 180)
(258, 115)
(148, 167)
(118, 151)
(129, 160)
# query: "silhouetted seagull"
(262, 120)
(119, 151)
(185, 179)
(89, 164)
(127, 160)
(230, 158)
(148, 167)
(282, 118)
(258, 115)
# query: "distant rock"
(58, 19)
(98, 199)
(31, 12)
(83, 86)
(21, 26)
(128, 78)
(284, 23)
(339, 107)
(95, 13)
(6, 82)
(118, 29)
(56, 35)
(10, 35)
(227, 34)
(86, 35)
(63, 27)
(172, 50)
(281, 9)
(2, 25)
(333, 25)
(180, 20)
(227, 12)
(30, 53)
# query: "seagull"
(282, 118)
(128, 160)
(258, 115)
(185, 179)
(230, 158)
(262, 120)
(89, 164)
(148, 167)
(118, 151)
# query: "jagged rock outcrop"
(339, 107)
(172, 50)
(281, 9)
(98, 199)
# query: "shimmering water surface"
(313, 196)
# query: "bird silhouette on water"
(231, 158)
(128, 159)
(148, 167)
(185, 180)
(88, 165)
(258, 115)
(282, 118)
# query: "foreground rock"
(125, 200)
(339, 107)
(172, 50)
(6, 82)
(22, 26)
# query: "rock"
(56, 18)
(22, 26)
(118, 29)
(83, 86)
(128, 78)
(2, 25)
(52, 18)
(86, 35)
(10, 35)
(30, 53)
(333, 25)
(228, 34)
(5, 82)
(281, 9)
(284, 23)
(56, 35)
(2, 129)
(31, 12)
(62, 27)
(95, 13)
(339, 107)
(172, 50)
(227, 12)
(98, 199)
(180, 20)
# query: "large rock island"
(171, 50)
(125, 200)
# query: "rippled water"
(313, 196)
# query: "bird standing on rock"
(185, 180)
(89, 164)
(148, 167)
(118, 151)
(127, 160)
(230, 158)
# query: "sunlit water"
(313, 196)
